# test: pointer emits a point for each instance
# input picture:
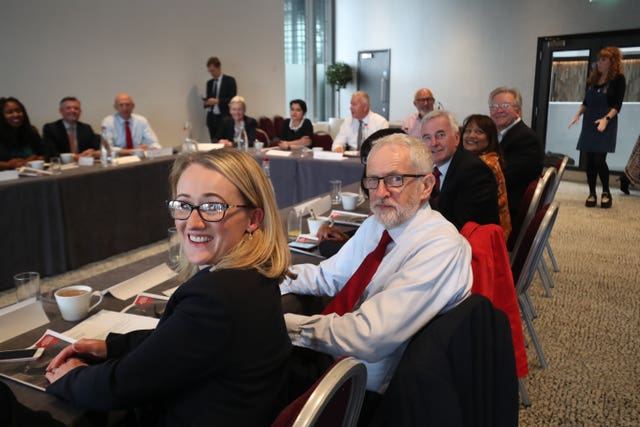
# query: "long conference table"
(53, 224)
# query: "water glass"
(336, 188)
(173, 251)
(294, 224)
(55, 165)
(27, 285)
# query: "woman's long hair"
(615, 56)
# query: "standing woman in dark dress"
(297, 131)
(601, 105)
(19, 141)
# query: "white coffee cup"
(139, 152)
(258, 145)
(36, 164)
(349, 201)
(73, 301)
(85, 161)
(315, 224)
(66, 158)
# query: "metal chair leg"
(524, 396)
(545, 277)
(532, 333)
(554, 263)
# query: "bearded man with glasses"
(405, 264)
(523, 153)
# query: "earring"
(251, 235)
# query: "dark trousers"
(213, 123)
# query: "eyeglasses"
(209, 212)
(503, 105)
(371, 183)
(429, 99)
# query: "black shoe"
(624, 184)
(605, 200)
(591, 201)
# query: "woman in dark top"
(19, 141)
(297, 131)
(235, 129)
(601, 105)
(217, 356)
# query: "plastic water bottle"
(105, 147)
(266, 167)
(245, 142)
(189, 144)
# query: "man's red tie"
(346, 299)
(127, 131)
(433, 199)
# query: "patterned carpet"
(589, 329)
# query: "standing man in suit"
(465, 188)
(523, 153)
(220, 89)
(69, 134)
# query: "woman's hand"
(226, 142)
(88, 350)
(54, 375)
(602, 124)
(575, 120)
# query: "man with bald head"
(128, 130)
(424, 101)
(362, 123)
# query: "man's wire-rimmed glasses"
(209, 211)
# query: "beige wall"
(462, 49)
(155, 50)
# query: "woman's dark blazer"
(217, 357)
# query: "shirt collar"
(502, 133)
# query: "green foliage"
(338, 75)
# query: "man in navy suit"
(220, 89)
(467, 187)
(69, 135)
(523, 153)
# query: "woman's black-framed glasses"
(209, 212)
(371, 183)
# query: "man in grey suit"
(69, 134)
(220, 89)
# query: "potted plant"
(339, 75)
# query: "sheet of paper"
(140, 283)
(327, 155)
(169, 292)
(126, 159)
(19, 318)
(31, 373)
(319, 205)
(100, 324)
(278, 153)
(9, 175)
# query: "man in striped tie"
(404, 265)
